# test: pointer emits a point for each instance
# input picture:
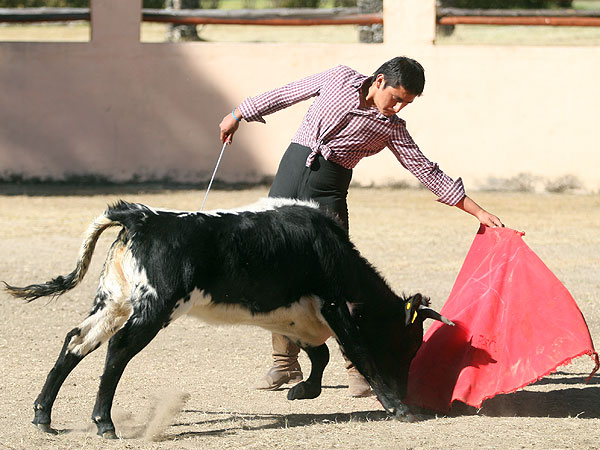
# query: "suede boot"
(286, 368)
(358, 386)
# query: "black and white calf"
(281, 264)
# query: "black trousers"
(324, 182)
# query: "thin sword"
(213, 175)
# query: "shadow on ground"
(226, 423)
(582, 402)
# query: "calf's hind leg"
(63, 366)
(311, 387)
(122, 347)
(79, 342)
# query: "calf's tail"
(61, 284)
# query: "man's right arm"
(229, 125)
(253, 109)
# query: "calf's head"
(393, 339)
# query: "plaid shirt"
(336, 127)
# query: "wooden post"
(115, 22)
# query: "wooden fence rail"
(26, 15)
(291, 16)
(552, 17)
(310, 16)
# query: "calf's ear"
(411, 308)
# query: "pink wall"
(121, 109)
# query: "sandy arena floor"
(191, 387)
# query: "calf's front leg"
(311, 387)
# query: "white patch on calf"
(99, 327)
(270, 203)
(302, 321)
(123, 282)
(261, 205)
(182, 307)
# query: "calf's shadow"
(581, 402)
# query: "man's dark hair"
(405, 72)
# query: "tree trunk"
(179, 33)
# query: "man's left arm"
(468, 205)
(449, 191)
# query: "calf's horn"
(429, 313)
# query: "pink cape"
(515, 323)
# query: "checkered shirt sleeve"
(342, 131)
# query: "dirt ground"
(191, 387)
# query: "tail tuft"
(61, 284)
(53, 288)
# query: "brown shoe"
(286, 368)
(358, 386)
(277, 376)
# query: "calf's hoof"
(46, 428)
(303, 391)
(106, 431)
(109, 434)
(406, 416)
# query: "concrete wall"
(119, 108)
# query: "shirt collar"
(359, 80)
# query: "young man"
(352, 116)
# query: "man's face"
(390, 100)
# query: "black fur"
(261, 261)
